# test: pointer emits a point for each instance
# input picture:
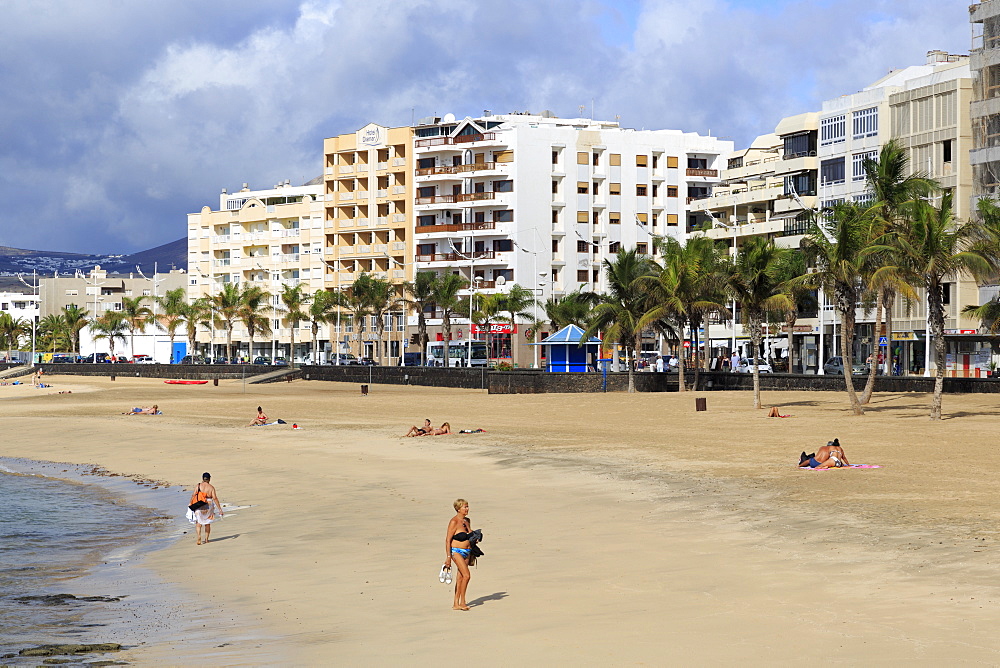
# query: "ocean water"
(53, 532)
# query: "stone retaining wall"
(471, 379)
(178, 371)
(717, 380)
(536, 381)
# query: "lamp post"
(34, 318)
(732, 227)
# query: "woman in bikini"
(205, 516)
(261, 419)
(457, 548)
(442, 430)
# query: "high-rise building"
(542, 202)
(985, 64)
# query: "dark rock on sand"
(64, 599)
(60, 650)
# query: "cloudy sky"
(119, 117)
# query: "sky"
(120, 117)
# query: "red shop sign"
(496, 328)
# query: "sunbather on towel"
(153, 410)
(829, 456)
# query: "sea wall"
(475, 378)
(715, 381)
(179, 371)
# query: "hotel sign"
(371, 135)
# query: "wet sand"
(619, 529)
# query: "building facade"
(542, 202)
(268, 238)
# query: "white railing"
(329, 170)
(398, 245)
(398, 273)
(382, 220)
(362, 222)
(382, 165)
(290, 233)
(220, 239)
(398, 162)
(382, 192)
(290, 257)
(344, 196)
(346, 169)
(221, 263)
(398, 190)
(381, 248)
(362, 249)
(399, 217)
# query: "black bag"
(197, 505)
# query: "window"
(69, 293)
(946, 147)
(555, 187)
(671, 162)
(147, 292)
(596, 159)
(425, 191)
(555, 216)
(672, 219)
(596, 218)
(858, 164)
(555, 157)
(656, 161)
(671, 191)
(640, 191)
(833, 130)
(801, 184)
(656, 190)
(555, 246)
(641, 248)
(555, 275)
(504, 216)
(582, 158)
(615, 189)
(642, 218)
(508, 274)
(503, 186)
(503, 245)
(479, 217)
(614, 218)
(866, 198)
(424, 221)
(616, 159)
(581, 246)
(656, 219)
(582, 187)
(596, 273)
(866, 123)
(582, 276)
(614, 246)
(582, 217)
(503, 156)
(697, 163)
(798, 145)
(735, 163)
(831, 171)
(641, 160)
(946, 293)
(425, 163)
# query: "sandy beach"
(620, 530)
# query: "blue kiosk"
(565, 352)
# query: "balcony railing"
(485, 136)
(454, 257)
(442, 169)
(696, 198)
(457, 227)
(702, 172)
(476, 197)
(477, 167)
(436, 199)
(447, 141)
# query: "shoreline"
(617, 529)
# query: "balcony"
(399, 190)
(710, 173)
(382, 165)
(696, 198)
(344, 196)
(290, 257)
(435, 199)
(476, 167)
(399, 245)
(455, 257)
(459, 227)
(476, 197)
(382, 192)
(224, 262)
(399, 217)
(346, 169)
(448, 141)
(220, 239)
(430, 171)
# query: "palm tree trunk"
(422, 336)
(315, 345)
(937, 331)
(845, 304)
(866, 396)
(889, 299)
(446, 326)
(696, 346)
(229, 341)
(291, 346)
(789, 330)
(631, 366)
(680, 363)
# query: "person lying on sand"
(443, 430)
(260, 419)
(419, 431)
(829, 456)
(144, 410)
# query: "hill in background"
(15, 261)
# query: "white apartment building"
(21, 307)
(542, 202)
(270, 238)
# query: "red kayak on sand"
(185, 382)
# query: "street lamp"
(34, 293)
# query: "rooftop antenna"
(583, 110)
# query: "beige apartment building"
(269, 238)
(368, 195)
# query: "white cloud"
(126, 130)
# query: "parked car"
(835, 367)
(746, 366)
(345, 358)
(262, 360)
(193, 359)
(411, 359)
(365, 361)
(280, 361)
(142, 359)
(64, 359)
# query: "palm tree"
(755, 282)
(225, 311)
(937, 246)
(839, 242)
(110, 325)
(356, 301)
(322, 308)
(136, 316)
(684, 290)
(253, 313)
(489, 309)
(196, 313)
(573, 308)
(172, 316)
(382, 301)
(76, 320)
(446, 289)
(294, 300)
(620, 310)
(518, 302)
(11, 331)
(52, 332)
(421, 292)
(987, 314)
